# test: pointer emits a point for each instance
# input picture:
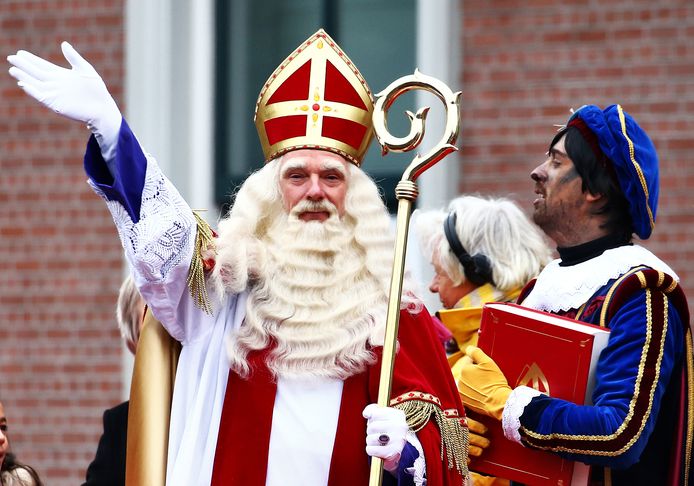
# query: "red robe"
(421, 376)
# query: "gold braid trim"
(454, 437)
(196, 272)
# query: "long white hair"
(318, 291)
(495, 227)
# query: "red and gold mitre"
(315, 99)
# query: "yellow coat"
(464, 322)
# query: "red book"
(552, 354)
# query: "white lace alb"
(519, 398)
(154, 243)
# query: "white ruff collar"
(564, 288)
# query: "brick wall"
(527, 62)
(60, 350)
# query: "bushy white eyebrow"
(325, 165)
(334, 164)
(286, 166)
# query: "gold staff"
(406, 193)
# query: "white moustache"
(313, 206)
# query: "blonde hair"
(494, 227)
(129, 312)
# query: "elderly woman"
(483, 250)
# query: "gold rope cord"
(196, 272)
(454, 437)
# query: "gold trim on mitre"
(315, 99)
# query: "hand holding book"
(527, 348)
(482, 385)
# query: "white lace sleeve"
(515, 405)
(159, 247)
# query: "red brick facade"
(60, 351)
(524, 64)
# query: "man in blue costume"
(597, 187)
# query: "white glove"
(78, 93)
(385, 423)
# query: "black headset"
(478, 268)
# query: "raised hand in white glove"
(386, 429)
(78, 93)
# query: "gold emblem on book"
(533, 377)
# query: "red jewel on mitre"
(315, 99)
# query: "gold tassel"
(454, 437)
(196, 272)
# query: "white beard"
(314, 298)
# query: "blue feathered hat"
(633, 158)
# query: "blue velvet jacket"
(640, 424)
